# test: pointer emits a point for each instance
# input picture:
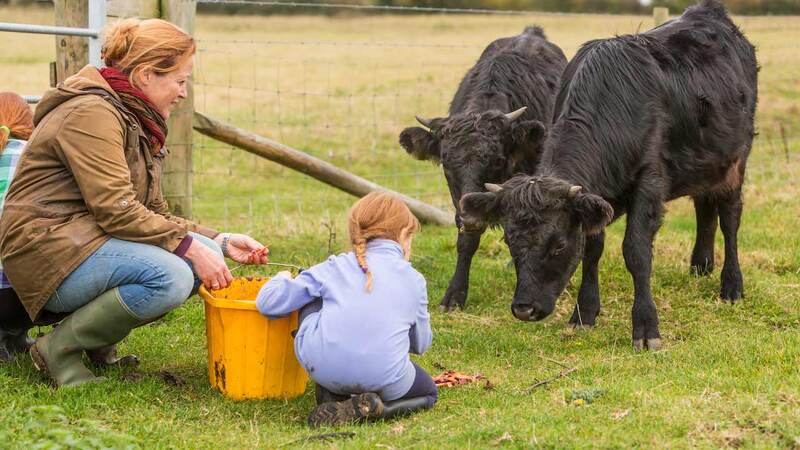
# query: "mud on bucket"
(249, 356)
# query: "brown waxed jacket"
(82, 179)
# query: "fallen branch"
(550, 380)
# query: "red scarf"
(140, 105)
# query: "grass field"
(727, 377)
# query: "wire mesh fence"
(342, 88)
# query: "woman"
(16, 125)
(86, 230)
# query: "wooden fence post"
(72, 52)
(177, 179)
(660, 15)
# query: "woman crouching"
(85, 230)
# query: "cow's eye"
(558, 246)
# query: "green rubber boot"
(100, 323)
(107, 357)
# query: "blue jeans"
(151, 280)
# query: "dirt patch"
(133, 377)
(171, 379)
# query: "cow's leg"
(644, 219)
(588, 305)
(456, 294)
(730, 215)
(705, 209)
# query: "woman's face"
(166, 90)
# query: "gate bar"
(48, 29)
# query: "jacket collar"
(385, 247)
(81, 83)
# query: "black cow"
(639, 120)
(495, 129)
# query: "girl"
(16, 126)
(361, 313)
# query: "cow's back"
(512, 72)
(691, 81)
(711, 71)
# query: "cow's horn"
(493, 188)
(574, 190)
(424, 121)
(514, 115)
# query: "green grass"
(728, 374)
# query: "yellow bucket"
(249, 356)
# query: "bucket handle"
(291, 266)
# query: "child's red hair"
(378, 215)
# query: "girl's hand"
(284, 274)
(209, 267)
(244, 249)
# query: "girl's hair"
(378, 215)
(133, 45)
(16, 119)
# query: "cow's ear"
(480, 207)
(421, 144)
(593, 212)
(528, 138)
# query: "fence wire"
(343, 88)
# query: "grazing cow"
(639, 120)
(495, 129)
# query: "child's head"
(380, 215)
(16, 119)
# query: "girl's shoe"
(323, 395)
(13, 343)
(355, 409)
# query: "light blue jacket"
(359, 341)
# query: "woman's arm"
(283, 294)
(90, 144)
(160, 206)
(420, 334)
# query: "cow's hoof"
(731, 293)
(451, 302)
(647, 344)
(732, 288)
(701, 264)
(583, 320)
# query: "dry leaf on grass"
(621, 414)
(450, 378)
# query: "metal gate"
(97, 20)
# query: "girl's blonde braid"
(360, 249)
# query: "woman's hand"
(209, 266)
(244, 249)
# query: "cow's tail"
(535, 30)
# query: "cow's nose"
(527, 312)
